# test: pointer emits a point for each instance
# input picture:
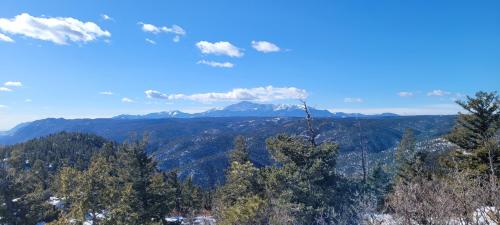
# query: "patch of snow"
(204, 220)
(487, 215)
(16, 199)
(57, 202)
(382, 219)
(174, 219)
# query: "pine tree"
(476, 132)
(7, 209)
(128, 208)
(239, 201)
(306, 175)
(159, 197)
(406, 147)
(379, 183)
(240, 151)
(138, 170)
(173, 189)
(190, 197)
(404, 155)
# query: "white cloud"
(13, 84)
(353, 100)
(265, 47)
(150, 41)
(219, 48)
(405, 94)
(106, 17)
(438, 109)
(127, 100)
(149, 28)
(155, 94)
(438, 93)
(59, 30)
(175, 29)
(5, 38)
(263, 94)
(3, 106)
(28, 100)
(5, 89)
(216, 64)
(106, 93)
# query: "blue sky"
(92, 59)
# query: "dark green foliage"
(404, 155)
(479, 123)
(379, 185)
(95, 177)
(190, 197)
(476, 132)
(240, 153)
(62, 149)
(29, 169)
(240, 200)
(305, 176)
(406, 148)
(127, 188)
(197, 147)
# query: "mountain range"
(197, 144)
(198, 147)
(251, 109)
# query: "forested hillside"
(198, 146)
(80, 177)
(75, 178)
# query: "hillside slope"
(198, 146)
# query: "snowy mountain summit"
(251, 109)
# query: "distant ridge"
(252, 109)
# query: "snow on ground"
(174, 219)
(56, 202)
(199, 220)
(381, 219)
(487, 215)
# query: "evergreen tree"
(240, 151)
(404, 155)
(139, 172)
(379, 183)
(240, 201)
(128, 210)
(173, 188)
(7, 208)
(406, 147)
(190, 197)
(160, 196)
(305, 176)
(476, 132)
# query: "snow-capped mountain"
(157, 115)
(251, 109)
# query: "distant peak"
(252, 109)
(246, 106)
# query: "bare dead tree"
(363, 153)
(309, 120)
